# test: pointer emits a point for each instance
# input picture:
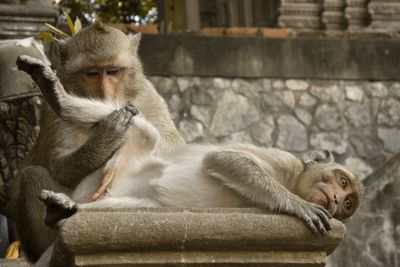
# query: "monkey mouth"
(327, 203)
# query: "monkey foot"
(58, 206)
(45, 78)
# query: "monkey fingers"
(317, 219)
(58, 206)
(131, 108)
(107, 179)
(45, 78)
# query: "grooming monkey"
(312, 187)
(99, 62)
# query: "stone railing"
(191, 237)
(341, 15)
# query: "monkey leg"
(34, 234)
(60, 206)
(45, 78)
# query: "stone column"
(385, 15)
(333, 15)
(356, 14)
(300, 14)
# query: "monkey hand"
(45, 78)
(58, 206)
(115, 125)
(315, 216)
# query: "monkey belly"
(185, 185)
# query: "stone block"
(193, 237)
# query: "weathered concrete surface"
(14, 263)
(374, 233)
(253, 57)
(194, 237)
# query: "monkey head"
(99, 62)
(331, 186)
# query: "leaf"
(70, 23)
(45, 36)
(57, 31)
(77, 25)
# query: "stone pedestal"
(191, 237)
(333, 15)
(17, 21)
(356, 14)
(300, 14)
(385, 15)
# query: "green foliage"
(125, 11)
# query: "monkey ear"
(60, 47)
(317, 156)
(135, 41)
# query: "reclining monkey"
(236, 175)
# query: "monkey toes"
(29, 64)
(58, 206)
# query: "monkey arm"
(242, 173)
(107, 138)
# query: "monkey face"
(102, 81)
(333, 187)
(95, 63)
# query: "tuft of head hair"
(99, 25)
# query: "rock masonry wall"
(359, 121)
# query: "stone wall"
(358, 120)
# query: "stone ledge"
(201, 237)
(255, 57)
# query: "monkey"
(99, 62)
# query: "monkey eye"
(347, 204)
(343, 182)
(92, 72)
(113, 71)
